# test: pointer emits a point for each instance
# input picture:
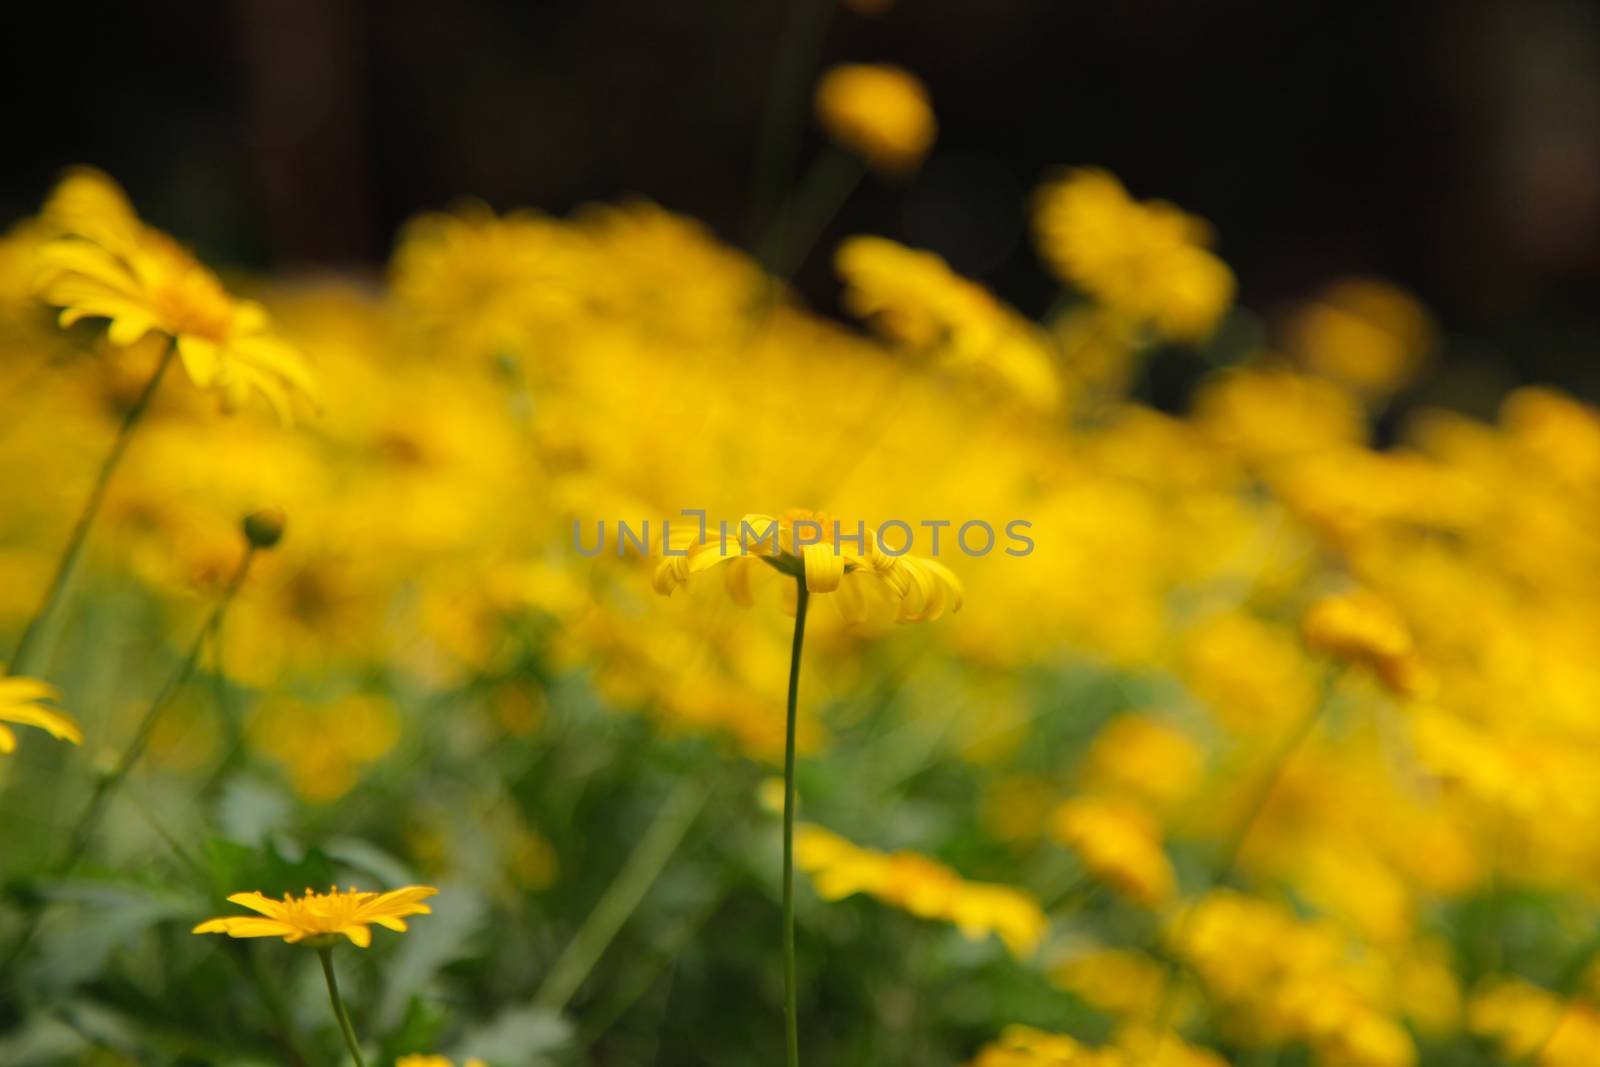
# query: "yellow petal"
(824, 568)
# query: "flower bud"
(264, 529)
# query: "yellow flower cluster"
(521, 373)
(916, 884)
(1025, 1046)
(1286, 980)
(1534, 1026)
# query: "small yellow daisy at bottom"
(317, 919)
(433, 1061)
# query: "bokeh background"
(1452, 147)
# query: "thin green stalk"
(623, 895)
(141, 736)
(67, 565)
(83, 829)
(782, 127)
(349, 1032)
(1228, 857)
(833, 176)
(791, 1014)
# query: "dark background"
(1452, 146)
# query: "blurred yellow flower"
(916, 301)
(1266, 414)
(483, 284)
(811, 545)
(1119, 844)
(1363, 333)
(433, 1061)
(325, 748)
(1284, 979)
(878, 111)
(105, 263)
(25, 702)
(1119, 981)
(1147, 261)
(928, 890)
(1025, 1046)
(1532, 1025)
(1363, 629)
(319, 918)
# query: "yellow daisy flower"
(433, 1061)
(105, 263)
(23, 702)
(830, 555)
(318, 918)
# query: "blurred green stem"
(783, 124)
(326, 955)
(83, 829)
(623, 895)
(67, 565)
(791, 1014)
(141, 735)
(833, 176)
(1292, 742)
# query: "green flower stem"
(832, 177)
(1233, 847)
(141, 735)
(783, 125)
(67, 565)
(623, 895)
(83, 829)
(1292, 742)
(326, 956)
(791, 1015)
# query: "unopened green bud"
(264, 529)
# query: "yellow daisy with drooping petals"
(26, 702)
(830, 555)
(104, 263)
(319, 918)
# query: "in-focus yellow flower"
(878, 111)
(830, 555)
(1148, 261)
(433, 1061)
(1363, 629)
(24, 701)
(106, 263)
(319, 918)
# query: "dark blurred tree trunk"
(306, 118)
